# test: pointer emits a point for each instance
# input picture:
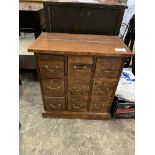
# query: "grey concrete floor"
(53, 136)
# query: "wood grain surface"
(107, 2)
(79, 44)
(77, 115)
(78, 74)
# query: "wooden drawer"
(78, 87)
(96, 99)
(80, 66)
(98, 107)
(77, 104)
(53, 87)
(99, 104)
(54, 104)
(103, 88)
(51, 66)
(108, 67)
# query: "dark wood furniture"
(103, 18)
(78, 73)
(31, 17)
(31, 20)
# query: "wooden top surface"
(31, 1)
(30, 6)
(106, 2)
(79, 44)
(101, 2)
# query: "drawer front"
(77, 104)
(108, 67)
(100, 99)
(49, 57)
(54, 104)
(53, 87)
(99, 107)
(79, 67)
(51, 66)
(103, 88)
(78, 87)
(99, 104)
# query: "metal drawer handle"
(51, 69)
(113, 68)
(50, 87)
(55, 106)
(107, 71)
(77, 106)
(77, 90)
(98, 106)
(78, 68)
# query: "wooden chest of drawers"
(78, 73)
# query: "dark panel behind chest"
(83, 18)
